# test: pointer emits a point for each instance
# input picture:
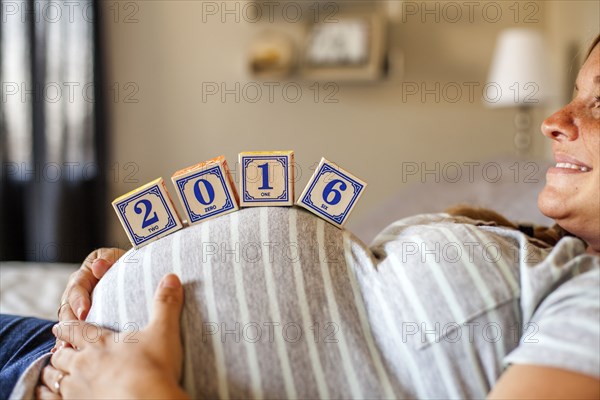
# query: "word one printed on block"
(147, 213)
(331, 193)
(206, 190)
(266, 178)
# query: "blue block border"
(285, 196)
(137, 240)
(193, 217)
(324, 169)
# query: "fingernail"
(170, 281)
(55, 329)
(80, 312)
(62, 345)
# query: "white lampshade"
(519, 72)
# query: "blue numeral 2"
(148, 207)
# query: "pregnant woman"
(280, 304)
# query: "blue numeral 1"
(265, 182)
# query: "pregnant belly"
(273, 307)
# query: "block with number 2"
(266, 178)
(206, 190)
(147, 213)
(332, 193)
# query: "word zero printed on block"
(266, 178)
(147, 213)
(206, 190)
(331, 193)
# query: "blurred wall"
(161, 53)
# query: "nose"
(560, 126)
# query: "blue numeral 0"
(210, 190)
(147, 207)
(329, 189)
(265, 181)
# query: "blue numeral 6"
(329, 189)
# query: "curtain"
(53, 187)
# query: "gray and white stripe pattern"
(280, 304)
(270, 312)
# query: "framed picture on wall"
(351, 49)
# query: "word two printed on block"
(147, 213)
(266, 178)
(331, 193)
(206, 190)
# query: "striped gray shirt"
(281, 304)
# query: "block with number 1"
(206, 190)
(332, 193)
(147, 213)
(266, 178)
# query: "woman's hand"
(76, 299)
(107, 364)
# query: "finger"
(50, 376)
(106, 258)
(79, 294)
(62, 359)
(45, 393)
(77, 333)
(59, 345)
(168, 302)
(65, 312)
(84, 280)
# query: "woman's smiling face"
(572, 192)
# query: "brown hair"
(548, 235)
(592, 46)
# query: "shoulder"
(560, 305)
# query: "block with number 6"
(266, 178)
(147, 213)
(332, 193)
(206, 190)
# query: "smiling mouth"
(571, 166)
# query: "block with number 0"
(266, 178)
(147, 213)
(332, 193)
(206, 190)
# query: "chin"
(551, 204)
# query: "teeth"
(572, 166)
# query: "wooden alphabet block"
(266, 178)
(147, 213)
(206, 190)
(331, 193)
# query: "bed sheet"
(33, 289)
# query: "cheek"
(590, 132)
(593, 147)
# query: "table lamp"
(519, 78)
